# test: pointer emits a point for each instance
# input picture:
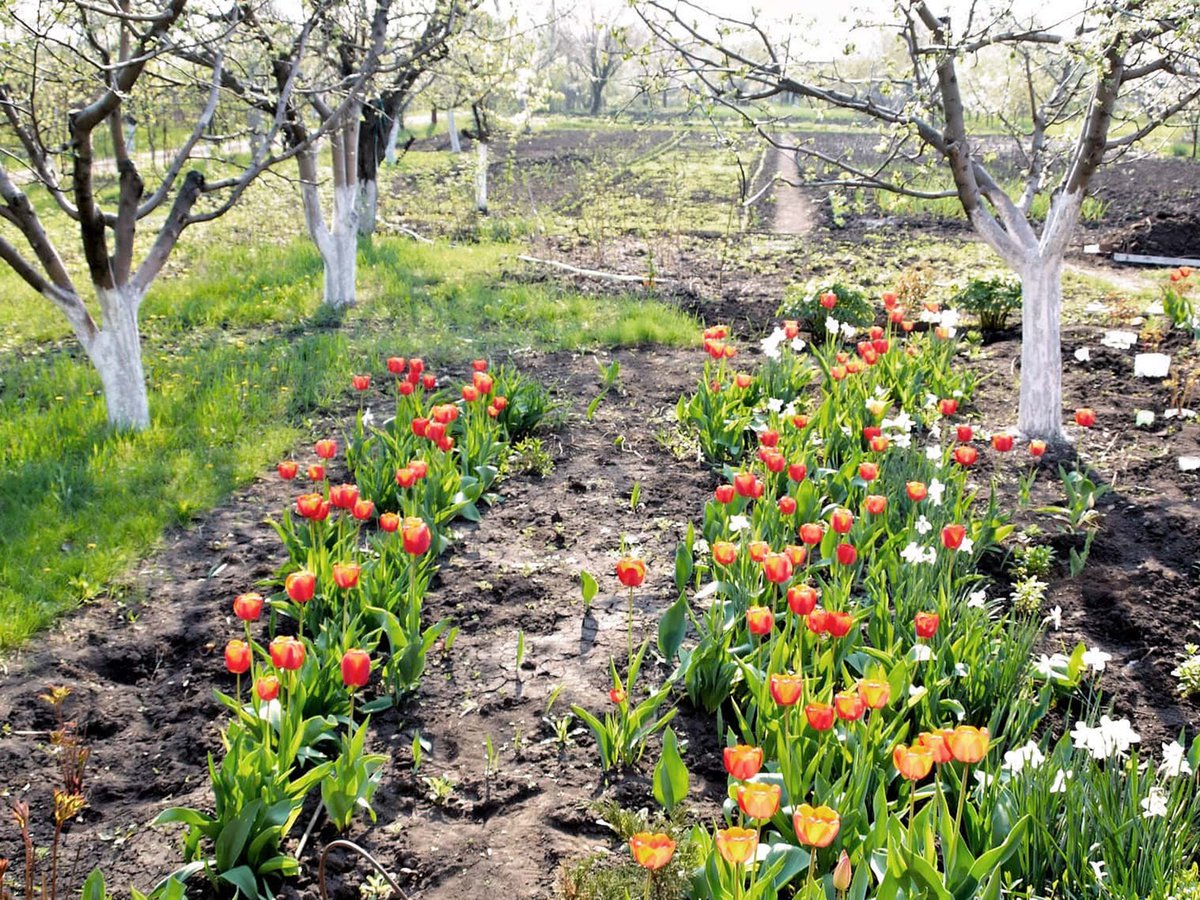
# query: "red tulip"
(406, 477)
(345, 575)
(483, 383)
(953, 535)
(470, 393)
(343, 496)
(875, 504)
(396, 364)
(617, 696)
(842, 520)
(405, 388)
(916, 491)
(868, 471)
(759, 620)
(745, 484)
(287, 469)
(416, 365)
(237, 657)
(419, 426)
(777, 568)
(267, 687)
(829, 300)
(1002, 442)
(248, 607)
(847, 555)
(326, 449)
(389, 522)
(1037, 448)
(787, 505)
(1085, 417)
(878, 444)
(811, 533)
(363, 510)
(419, 467)
(416, 536)
(818, 621)
(631, 572)
(361, 382)
(435, 431)
(965, 433)
(316, 472)
(889, 300)
(772, 459)
(479, 365)
(965, 456)
(800, 421)
(796, 554)
(768, 438)
(948, 406)
(786, 690)
(926, 624)
(848, 705)
(301, 585)
(742, 380)
(286, 653)
(802, 599)
(724, 493)
(819, 716)
(742, 761)
(356, 668)
(870, 432)
(758, 550)
(428, 382)
(724, 552)
(839, 624)
(797, 471)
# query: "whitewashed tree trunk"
(455, 144)
(481, 176)
(340, 253)
(389, 155)
(1041, 406)
(116, 352)
(368, 206)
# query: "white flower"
(902, 422)
(922, 653)
(933, 453)
(1096, 659)
(1060, 781)
(976, 599)
(935, 431)
(1175, 762)
(1155, 803)
(1083, 354)
(832, 325)
(1029, 755)
(961, 671)
(1112, 737)
(1054, 618)
(914, 554)
(929, 316)
(931, 400)
(774, 404)
(1052, 666)
(903, 441)
(770, 344)
(923, 526)
(937, 490)
(966, 546)
(739, 523)
(798, 344)
(917, 691)
(700, 547)
(368, 417)
(848, 330)
(1098, 868)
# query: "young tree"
(597, 49)
(71, 70)
(1076, 76)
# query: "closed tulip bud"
(1002, 442)
(841, 521)
(416, 536)
(786, 690)
(843, 874)
(363, 510)
(816, 827)
(326, 449)
(343, 496)
(742, 380)
(1085, 417)
(724, 552)
(759, 801)
(965, 433)
(416, 365)
(492, 412)
(286, 653)
(736, 845)
(875, 692)
(802, 599)
(868, 471)
(948, 406)
(796, 554)
(935, 743)
(483, 383)
(800, 421)
(631, 572)
(881, 345)
(742, 761)
(316, 472)
(768, 438)
(791, 329)
(479, 365)
(848, 705)
(345, 575)
(248, 607)
(926, 624)
(759, 620)
(396, 364)
(912, 762)
(839, 624)
(875, 504)
(953, 536)
(470, 393)
(870, 432)
(797, 471)
(356, 668)
(758, 550)
(405, 477)
(435, 431)
(723, 493)
(420, 468)
(287, 470)
(818, 621)
(428, 382)
(267, 688)
(237, 657)
(829, 300)
(787, 505)
(811, 533)
(404, 388)
(777, 568)
(965, 456)
(419, 426)
(745, 484)
(772, 459)
(968, 743)
(1037, 448)
(878, 444)
(301, 585)
(916, 490)
(361, 382)
(819, 716)
(389, 522)
(846, 554)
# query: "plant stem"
(962, 796)
(912, 812)
(631, 626)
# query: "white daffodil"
(914, 554)
(1112, 737)
(902, 422)
(770, 344)
(832, 325)
(1052, 666)
(937, 490)
(798, 344)
(923, 526)
(1030, 755)
(1054, 618)
(774, 404)
(368, 417)
(1098, 868)
(1060, 781)
(966, 546)
(1096, 659)
(1175, 763)
(1155, 803)
(848, 331)
(917, 691)
(933, 453)
(739, 523)
(922, 653)
(976, 599)
(961, 670)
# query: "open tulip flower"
(248, 606)
(724, 553)
(914, 762)
(1002, 442)
(736, 845)
(651, 851)
(968, 744)
(345, 575)
(816, 826)
(953, 535)
(849, 705)
(631, 572)
(965, 456)
(786, 690)
(758, 800)
(935, 743)
(325, 449)
(777, 568)
(287, 470)
(1037, 448)
(742, 761)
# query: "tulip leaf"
(93, 887)
(243, 879)
(588, 587)
(672, 627)
(922, 872)
(670, 774)
(683, 564)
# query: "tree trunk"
(116, 352)
(1041, 350)
(340, 250)
(597, 98)
(481, 176)
(368, 204)
(455, 146)
(393, 135)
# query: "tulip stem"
(631, 626)
(912, 813)
(649, 881)
(962, 796)
(812, 864)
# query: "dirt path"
(795, 211)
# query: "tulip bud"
(389, 522)
(416, 535)
(361, 382)
(631, 572)
(356, 668)
(287, 470)
(396, 364)
(248, 607)
(237, 657)
(267, 687)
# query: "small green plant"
(1078, 558)
(588, 590)
(1188, 671)
(418, 751)
(527, 456)
(1033, 560)
(491, 759)
(1025, 487)
(1079, 512)
(520, 651)
(562, 730)
(992, 299)
(635, 496)
(352, 780)
(610, 376)
(375, 887)
(1027, 596)
(804, 302)
(441, 789)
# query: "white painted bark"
(1041, 408)
(481, 176)
(116, 352)
(455, 144)
(368, 205)
(389, 155)
(340, 253)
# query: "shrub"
(992, 299)
(804, 302)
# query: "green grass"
(239, 359)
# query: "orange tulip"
(286, 653)
(819, 716)
(926, 624)
(356, 668)
(759, 801)
(737, 845)
(786, 689)
(267, 687)
(1002, 442)
(811, 533)
(968, 743)
(777, 568)
(248, 606)
(301, 585)
(796, 554)
(868, 471)
(651, 851)
(1037, 448)
(848, 705)
(912, 762)
(802, 599)
(839, 624)
(389, 522)
(724, 553)
(948, 406)
(760, 620)
(842, 873)
(935, 743)
(875, 504)
(631, 572)
(875, 692)
(916, 491)
(758, 550)
(742, 761)
(1085, 417)
(416, 535)
(816, 827)
(965, 456)
(326, 449)
(842, 520)
(345, 575)
(287, 470)
(237, 657)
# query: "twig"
(648, 280)
(350, 845)
(308, 830)
(412, 234)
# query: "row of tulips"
(344, 608)
(850, 649)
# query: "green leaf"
(232, 839)
(670, 774)
(93, 888)
(672, 627)
(183, 814)
(243, 879)
(588, 587)
(683, 565)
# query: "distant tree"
(1076, 110)
(596, 48)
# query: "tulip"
(965, 433)
(470, 393)
(926, 624)
(787, 505)
(839, 624)
(868, 471)
(848, 705)
(760, 620)
(345, 575)
(396, 364)
(797, 471)
(953, 536)
(745, 484)
(965, 456)
(816, 827)
(935, 743)
(724, 553)
(1037, 448)
(356, 668)
(405, 388)
(841, 521)
(968, 744)
(791, 329)
(777, 568)
(843, 874)
(948, 406)
(769, 438)
(759, 801)
(786, 690)
(419, 426)
(416, 536)
(483, 383)
(631, 572)
(429, 382)
(316, 472)
(651, 851)
(889, 302)
(800, 421)
(870, 432)
(389, 522)
(446, 444)
(912, 762)
(916, 491)
(724, 493)
(819, 716)
(881, 345)
(301, 585)
(326, 449)
(420, 468)
(875, 692)
(617, 696)
(742, 761)
(267, 687)
(818, 621)
(846, 554)
(360, 382)
(1002, 442)
(287, 469)
(837, 373)
(742, 380)
(286, 653)
(1085, 417)
(248, 607)
(802, 599)
(737, 845)
(363, 510)
(773, 460)
(416, 365)
(237, 657)
(435, 431)
(811, 533)
(829, 300)
(878, 444)
(875, 504)
(343, 496)
(758, 550)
